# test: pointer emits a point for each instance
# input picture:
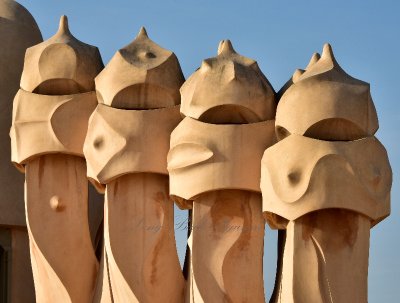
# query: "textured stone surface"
(77, 64)
(207, 157)
(214, 164)
(228, 88)
(326, 183)
(121, 142)
(126, 148)
(50, 114)
(18, 31)
(142, 75)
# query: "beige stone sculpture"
(18, 31)
(214, 166)
(126, 149)
(327, 182)
(325, 179)
(50, 119)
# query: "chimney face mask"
(206, 157)
(121, 141)
(313, 175)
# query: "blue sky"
(281, 36)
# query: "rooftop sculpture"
(214, 166)
(126, 149)
(50, 120)
(235, 154)
(321, 186)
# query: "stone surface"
(326, 183)
(229, 88)
(42, 124)
(338, 106)
(18, 31)
(227, 244)
(126, 149)
(142, 75)
(325, 258)
(146, 268)
(77, 65)
(313, 174)
(121, 142)
(50, 118)
(63, 260)
(207, 157)
(325, 179)
(214, 160)
(21, 286)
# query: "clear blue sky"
(281, 36)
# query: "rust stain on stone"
(335, 229)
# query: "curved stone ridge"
(121, 142)
(334, 105)
(142, 75)
(61, 65)
(320, 174)
(200, 161)
(228, 88)
(49, 124)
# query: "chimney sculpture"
(18, 31)
(50, 118)
(126, 149)
(214, 165)
(327, 182)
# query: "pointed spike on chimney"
(205, 65)
(297, 74)
(63, 28)
(220, 46)
(225, 47)
(142, 33)
(327, 52)
(314, 59)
